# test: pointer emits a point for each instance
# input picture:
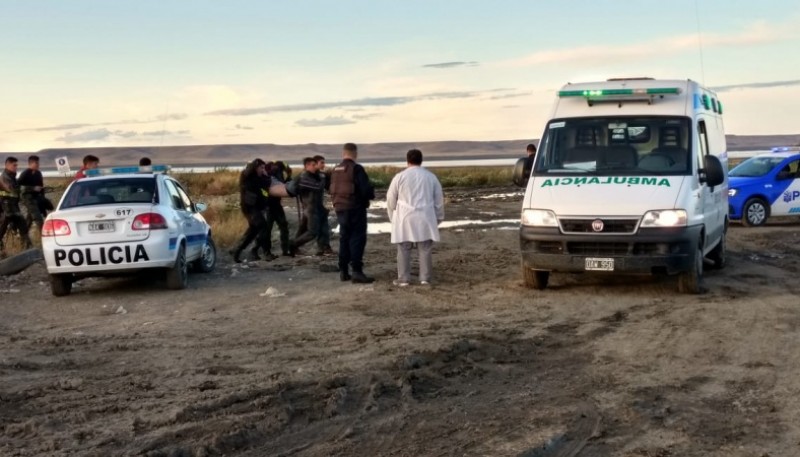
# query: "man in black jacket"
(310, 189)
(10, 215)
(275, 214)
(31, 188)
(351, 193)
(253, 200)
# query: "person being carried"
(351, 193)
(31, 187)
(415, 204)
(278, 172)
(89, 162)
(11, 216)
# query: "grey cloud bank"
(326, 122)
(444, 65)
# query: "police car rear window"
(92, 192)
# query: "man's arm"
(363, 188)
(438, 200)
(391, 197)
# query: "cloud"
(366, 117)
(758, 85)
(443, 65)
(757, 33)
(511, 95)
(166, 133)
(242, 127)
(85, 137)
(160, 118)
(326, 122)
(355, 103)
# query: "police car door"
(199, 229)
(183, 218)
(787, 187)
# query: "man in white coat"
(416, 207)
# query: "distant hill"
(228, 154)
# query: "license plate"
(101, 227)
(593, 264)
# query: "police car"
(764, 186)
(122, 220)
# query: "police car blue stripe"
(190, 240)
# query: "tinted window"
(174, 196)
(90, 192)
(616, 146)
(755, 167)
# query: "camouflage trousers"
(34, 213)
(11, 216)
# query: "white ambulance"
(630, 177)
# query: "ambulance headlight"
(665, 218)
(539, 218)
(732, 192)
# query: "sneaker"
(400, 283)
(269, 257)
(424, 283)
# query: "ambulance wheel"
(61, 285)
(718, 254)
(178, 275)
(755, 212)
(208, 259)
(691, 282)
(535, 279)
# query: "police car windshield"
(92, 192)
(755, 167)
(642, 146)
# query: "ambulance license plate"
(101, 227)
(593, 264)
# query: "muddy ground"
(476, 365)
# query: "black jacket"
(29, 179)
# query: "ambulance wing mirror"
(713, 174)
(520, 175)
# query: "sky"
(88, 73)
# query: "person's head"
(310, 165)
(33, 162)
(90, 162)
(11, 164)
(260, 167)
(145, 162)
(320, 162)
(414, 158)
(350, 151)
(531, 149)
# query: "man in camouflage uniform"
(9, 201)
(31, 188)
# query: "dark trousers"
(256, 226)
(324, 239)
(32, 207)
(11, 216)
(308, 228)
(276, 215)
(352, 238)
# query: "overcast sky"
(151, 72)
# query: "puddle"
(378, 228)
(498, 196)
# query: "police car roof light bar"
(127, 170)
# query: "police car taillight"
(149, 221)
(55, 227)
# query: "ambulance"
(630, 178)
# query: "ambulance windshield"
(616, 146)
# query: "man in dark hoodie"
(252, 183)
(310, 189)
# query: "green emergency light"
(597, 93)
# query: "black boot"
(344, 273)
(360, 278)
(236, 254)
(253, 257)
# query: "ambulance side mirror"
(713, 174)
(519, 176)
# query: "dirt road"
(476, 365)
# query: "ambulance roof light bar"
(599, 93)
(127, 170)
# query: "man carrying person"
(351, 193)
(11, 216)
(89, 162)
(277, 171)
(324, 239)
(415, 204)
(310, 189)
(31, 187)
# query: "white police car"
(765, 185)
(122, 220)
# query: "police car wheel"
(208, 259)
(535, 279)
(61, 285)
(178, 275)
(691, 282)
(755, 212)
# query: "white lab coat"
(416, 206)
